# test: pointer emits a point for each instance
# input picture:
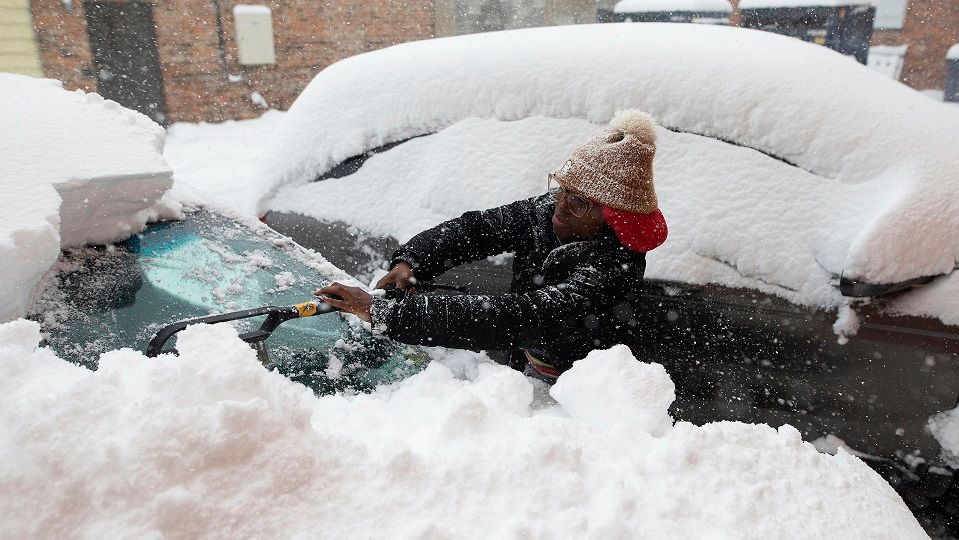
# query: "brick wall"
(62, 40)
(203, 81)
(930, 28)
(308, 36)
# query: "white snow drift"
(211, 444)
(855, 174)
(77, 169)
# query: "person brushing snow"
(580, 254)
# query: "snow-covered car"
(810, 275)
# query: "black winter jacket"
(564, 299)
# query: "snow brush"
(275, 316)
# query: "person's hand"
(401, 277)
(347, 299)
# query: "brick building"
(178, 60)
(181, 60)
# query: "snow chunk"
(612, 380)
(953, 53)
(648, 6)
(257, 99)
(209, 435)
(847, 323)
(78, 169)
(284, 280)
(945, 428)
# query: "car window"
(104, 298)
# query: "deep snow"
(211, 444)
(78, 169)
(218, 163)
(865, 183)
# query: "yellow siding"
(18, 43)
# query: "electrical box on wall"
(254, 34)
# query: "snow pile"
(865, 182)
(211, 444)
(647, 6)
(217, 163)
(78, 169)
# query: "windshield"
(121, 295)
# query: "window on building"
(890, 14)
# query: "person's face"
(575, 217)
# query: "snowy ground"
(211, 444)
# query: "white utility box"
(254, 34)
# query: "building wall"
(18, 44)
(204, 81)
(930, 28)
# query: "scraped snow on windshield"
(78, 169)
(211, 444)
(838, 170)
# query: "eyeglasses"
(577, 205)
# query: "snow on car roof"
(77, 169)
(875, 164)
(645, 6)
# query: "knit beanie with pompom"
(615, 170)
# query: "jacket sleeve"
(476, 322)
(470, 237)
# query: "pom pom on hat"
(636, 123)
